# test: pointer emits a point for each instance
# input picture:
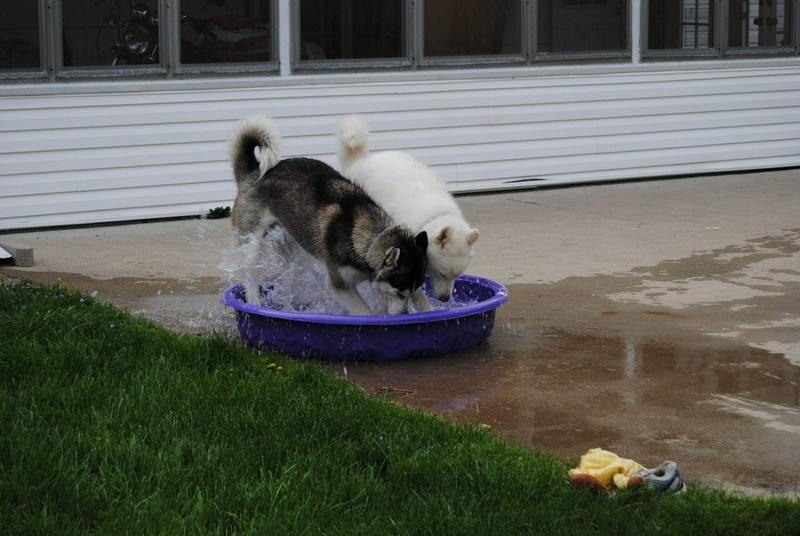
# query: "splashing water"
(292, 280)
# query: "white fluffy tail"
(353, 138)
(251, 132)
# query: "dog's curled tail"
(251, 132)
(353, 137)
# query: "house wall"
(97, 152)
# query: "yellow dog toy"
(599, 469)
(606, 468)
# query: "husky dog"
(412, 194)
(331, 218)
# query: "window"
(696, 24)
(759, 23)
(487, 31)
(117, 37)
(225, 31)
(455, 28)
(681, 25)
(63, 39)
(332, 31)
(726, 28)
(585, 27)
(401, 33)
(20, 46)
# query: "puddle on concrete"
(191, 306)
(646, 384)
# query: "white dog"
(414, 195)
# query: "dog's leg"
(420, 301)
(382, 307)
(251, 277)
(352, 301)
(343, 288)
(390, 303)
(260, 257)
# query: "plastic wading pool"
(468, 322)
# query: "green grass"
(111, 424)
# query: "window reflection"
(689, 24)
(109, 32)
(759, 23)
(126, 32)
(680, 24)
(225, 31)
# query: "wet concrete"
(657, 320)
(645, 383)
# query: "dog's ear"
(443, 236)
(472, 236)
(422, 240)
(390, 260)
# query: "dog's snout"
(444, 297)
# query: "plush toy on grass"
(600, 469)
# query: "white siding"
(98, 157)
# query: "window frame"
(720, 48)
(51, 52)
(493, 60)
(585, 56)
(271, 67)
(299, 65)
(58, 71)
(46, 46)
(52, 69)
(415, 47)
(743, 52)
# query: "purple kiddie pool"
(467, 322)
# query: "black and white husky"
(331, 218)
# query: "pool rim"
(498, 298)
